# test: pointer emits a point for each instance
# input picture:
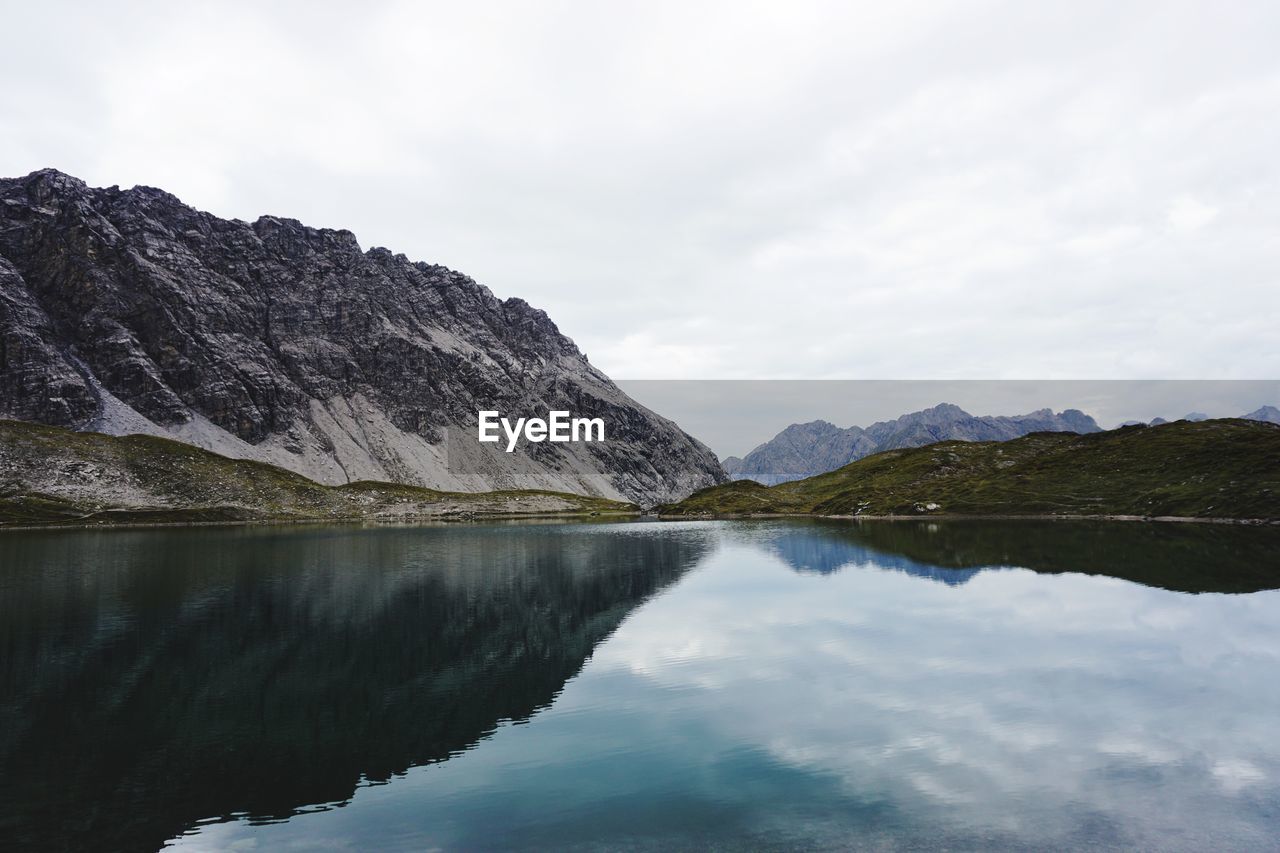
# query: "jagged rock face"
(37, 381)
(805, 450)
(127, 311)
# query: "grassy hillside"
(1212, 469)
(54, 476)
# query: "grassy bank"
(51, 476)
(1225, 469)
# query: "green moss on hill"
(1226, 468)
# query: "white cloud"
(856, 711)
(1187, 214)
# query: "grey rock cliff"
(805, 450)
(128, 311)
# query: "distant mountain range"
(1194, 417)
(804, 450)
(126, 311)
(1267, 414)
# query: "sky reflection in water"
(815, 684)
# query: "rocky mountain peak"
(46, 184)
(818, 427)
(128, 311)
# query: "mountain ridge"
(805, 450)
(1267, 414)
(127, 311)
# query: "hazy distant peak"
(1270, 414)
(813, 426)
(803, 450)
(731, 465)
(945, 410)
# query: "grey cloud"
(713, 190)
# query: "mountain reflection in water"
(154, 678)
(152, 681)
(1182, 557)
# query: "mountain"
(50, 475)
(126, 311)
(1269, 414)
(1226, 468)
(1189, 416)
(801, 450)
(805, 450)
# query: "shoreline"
(461, 518)
(412, 521)
(1177, 519)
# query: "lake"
(642, 685)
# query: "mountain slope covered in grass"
(1227, 468)
(50, 475)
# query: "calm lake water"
(959, 685)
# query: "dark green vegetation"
(1226, 468)
(50, 475)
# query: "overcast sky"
(728, 190)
